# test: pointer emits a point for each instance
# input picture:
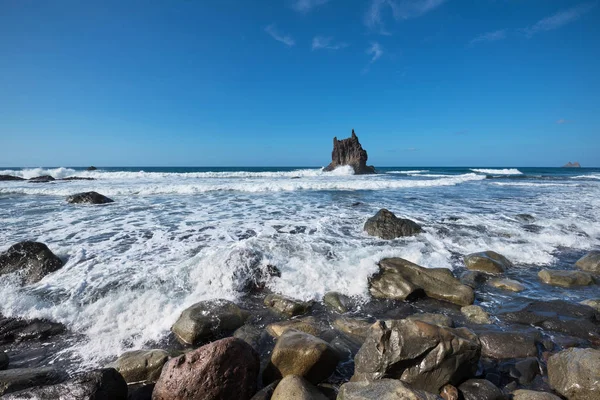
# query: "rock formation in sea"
(572, 165)
(91, 168)
(349, 152)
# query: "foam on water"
(505, 171)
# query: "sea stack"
(572, 165)
(349, 152)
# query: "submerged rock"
(480, 389)
(387, 226)
(286, 305)
(349, 152)
(294, 387)
(565, 278)
(425, 356)
(400, 279)
(14, 380)
(476, 314)
(575, 373)
(89, 198)
(487, 261)
(33, 260)
(141, 365)
(507, 284)
(208, 319)
(384, 389)
(42, 179)
(19, 330)
(590, 262)
(10, 178)
(225, 369)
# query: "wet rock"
(91, 168)
(522, 394)
(480, 389)
(476, 314)
(507, 284)
(89, 198)
(425, 356)
(298, 353)
(387, 226)
(474, 278)
(487, 261)
(384, 389)
(19, 330)
(575, 373)
(103, 384)
(527, 370)
(565, 278)
(141, 365)
(296, 388)
(42, 179)
(3, 360)
(266, 393)
(353, 327)
(208, 319)
(504, 345)
(449, 392)
(286, 305)
(250, 274)
(13, 380)
(590, 262)
(594, 303)
(77, 178)
(249, 334)
(140, 391)
(349, 152)
(400, 279)
(307, 325)
(337, 302)
(33, 260)
(10, 178)
(433, 319)
(225, 369)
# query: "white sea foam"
(417, 171)
(590, 176)
(505, 171)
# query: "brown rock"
(349, 152)
(141, 365)
(286, 305)
(433, 319)
(590, 262)
(387, 226)
(384, 389)
(575, 373)
(294, 387)
(565, 278)
(487, 261)
(522, 394)
(476, 314)
(505, 345)
(353, 327)
(307, 325)
(507, 284)
(449, 392)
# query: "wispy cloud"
(280, 37)
(375, 51)
(562, 121)
(559, 19)
(401, 10)
(322, 42)
(489, 37)
(304, 6)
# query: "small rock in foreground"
(507, 284)
(33, 260)
(141, 365)
(476, 314)
(575, 373)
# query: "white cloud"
(489, 37)
(375, 51)
(322, 42)
(401, 10)
(280, 37)
(304, 6)
(559, 19)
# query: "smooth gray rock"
(89, 198)
(33, 260)
(575, 373)
(387, 226)
(141, 365)
(487, 261)
(590, 262)
(14, 380)
(384, 389)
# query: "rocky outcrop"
(33, 260)
(384, 389)
(14, 380)
(487, 261)
(20, 330)
(425, 356)
(141, 365)
(89, 198)
(575, 373)
(10, 178)
(387, 226)
(349, 152)
(565, 278)
(42, 179)
(91, 168)
(590, 262)
(286, 305)
(208, 319)
(225, 369)
(400, 279)
(572, 165)
(296, 388)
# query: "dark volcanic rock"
(225, 369)
(18, 330)
(349, 152)
(32, 259)
(103, 384)
(3, 360)
(387, 226)
(575, 373)
(572, 165)
(42, 179)
(91, 168)
(77, 178)
(13, 380)
(88, 198)
(480, 389)
(10, 178)
(505, 345)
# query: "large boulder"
(286, 305)
(505, 345)
(14, 380)
(487, 261)
(10, 178)
(425, 356)
(565, 278)
(207, 320)
(294, 387)
(523, 394)
(89, 198)
(18, 330)
(575, 373)
(104, 384)
(387, 226)
(141, 365)
(400, 279)
(384, 389)
(349, 152)
(225, 369)
(301, 354)
(480, 389)
(33, 260)
(590, 262)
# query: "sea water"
(176, 236)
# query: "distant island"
(349, 152)
(572, 165)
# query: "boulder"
(476, 314)
(10, 178)
(575, 373)
(590, 262)
(298, 353)
(523, 394)
(224, 369)
(19, 330)
(433, 319)
(103, 384)
(386, 225)
(286, 305)
(294, 387)
(337, 302)
(353, 327)
(14, 380)
(208, 319)
(3, 360)
(425, 356)
(249, 334)
(564, 278)
(449, 392)
(33, 260)
(42, 179)
(400, 279)
(91, 168)
(594, 303)
(349, 152)
(140, 391)
(89, 198)
(527, 370)
(307, 325)
(480, 389)
(141, 365)
(384, 389)
(487, 261)
(474, 278)
(507, 284)
(505, 345)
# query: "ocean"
(175, 236)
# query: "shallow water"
(176, 236)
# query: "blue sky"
(270, 82)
